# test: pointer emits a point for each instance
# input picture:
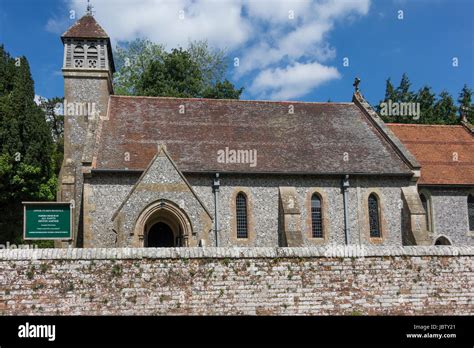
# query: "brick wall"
(317, 280)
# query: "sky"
(286, 49)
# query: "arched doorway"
(160, 235)
(442, 241)
(162, 224)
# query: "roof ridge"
(231, 100)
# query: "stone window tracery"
(79, 57)
(92, 57)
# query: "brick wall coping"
(232, 252)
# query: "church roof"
(86, 28)
(317, 138)
(446, 153)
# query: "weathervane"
(356, 84)
(89, 8)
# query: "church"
(184, 172)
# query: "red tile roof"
(86, 28)
(311, 140)
(437, 147)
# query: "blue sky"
(291, 50)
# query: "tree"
(445, 110)
(390, 95)
(223, 90)
(26, 169)
(145, 68)
(177, 75)
(212, 63)
(465, 102)
(441, 110)
(426, 99)
(132, 61)
(403, 93)
(55, 119)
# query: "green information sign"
(47, 220)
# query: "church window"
(374, 217)
(442, 241)
(316, 217)
(241, 207)
(79, 57)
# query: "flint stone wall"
(238, 281)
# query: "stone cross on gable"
(356, 84)
(464, 111)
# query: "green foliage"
(145, 68)
(26, 147)
(223, 90)
(465, 101)
(445, 110)
(174, 76)
(51, 108)
(434, 109)
(427, 99)
(132, 61)
(403, 93)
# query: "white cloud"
(57, 26)
(277, 10)
(292, 81)
(172, 22)
(261, 33)
(38, 98)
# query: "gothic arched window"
(316, 217)
(427, 206)
(79, 57)
(470, 211)
(92, 57)
(241, 215)
(374, 217)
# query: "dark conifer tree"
(25, 147)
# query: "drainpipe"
(215, 189)
(345, 187)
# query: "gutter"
(345, 192)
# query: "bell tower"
(88, 67)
